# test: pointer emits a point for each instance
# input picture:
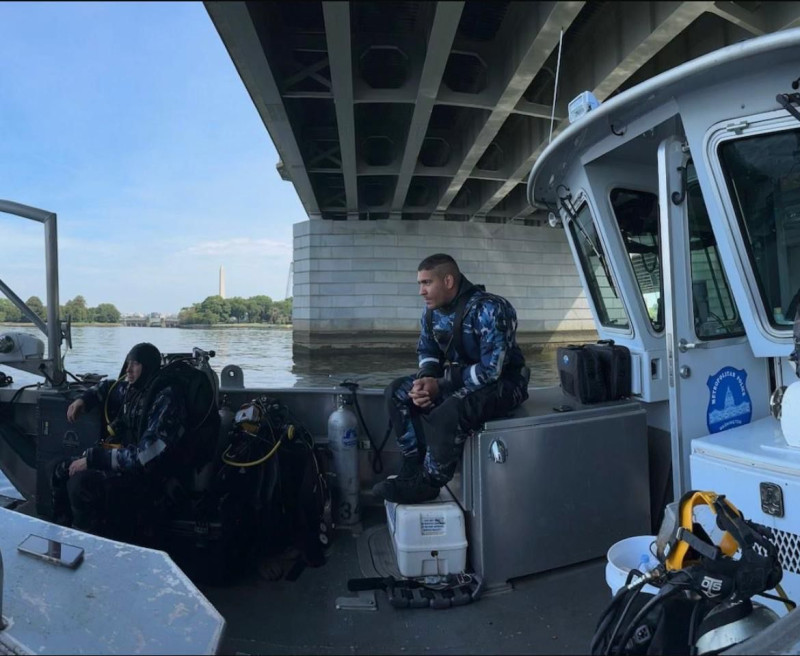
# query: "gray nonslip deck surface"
(550, 613)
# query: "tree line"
(214, 309)
(76, 308)
(256, 309)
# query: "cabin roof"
(649, 97)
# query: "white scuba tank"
(343, 443)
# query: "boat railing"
(52, 329)
(2, 621)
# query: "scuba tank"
(343, 443)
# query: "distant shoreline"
(268, 326)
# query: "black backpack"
(197, 386)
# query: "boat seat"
(541, 401)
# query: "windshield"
(637, 217)
(762, 173)
(715, 313)
(610, 310)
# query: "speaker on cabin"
(59, 439)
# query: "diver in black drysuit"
(107, 491)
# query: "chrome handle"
(498, 452)
(684, 346)
(2, 623)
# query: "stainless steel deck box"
(544, 489)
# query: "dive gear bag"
(593, 373)
(579, 370)
(615, 363)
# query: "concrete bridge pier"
(355, 281)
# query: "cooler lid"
(757, 444)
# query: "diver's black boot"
(417, 489)
(411, 466)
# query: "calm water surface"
(264, 354)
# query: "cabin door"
(714, 379)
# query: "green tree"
(106, 313)
(76, 308)
(240, 308)
(215, 309)
(9, 311)
(256, 309)
(260, 307)
(281, 311)
(188, 315)
(35, 304)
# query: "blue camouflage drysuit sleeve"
(488, 337)
(166, 422)
(97, 394)
(430, 356)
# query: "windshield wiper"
(599, 256)
(785, 100)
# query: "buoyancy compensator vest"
(467, 296)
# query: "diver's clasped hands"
(424, 392)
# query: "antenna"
(555, 85)
(290, 280)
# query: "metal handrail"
(53, 328)
(2, 622)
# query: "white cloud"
(237, 247)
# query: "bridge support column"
(355, 281)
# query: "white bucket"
(628, 554)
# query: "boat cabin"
(680, 199)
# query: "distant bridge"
(149, 321)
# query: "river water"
(264, 354)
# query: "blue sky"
(130, 122)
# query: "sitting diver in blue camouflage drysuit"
(465, 378)
(106, 489)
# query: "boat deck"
(550, 613)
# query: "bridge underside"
(420, 111)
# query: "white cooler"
(753, 466)
(428, 538)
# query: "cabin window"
(610, 310)
(714, 309)
(637, 217)
(762, 173)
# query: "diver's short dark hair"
(437, 260)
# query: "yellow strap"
(728, 544)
